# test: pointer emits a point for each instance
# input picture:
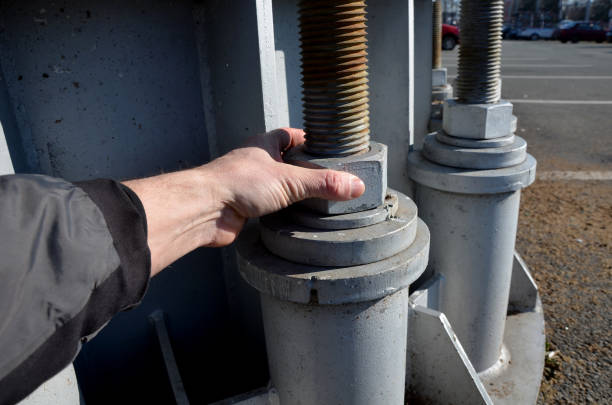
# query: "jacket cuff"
(127, 223)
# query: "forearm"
(185, 210)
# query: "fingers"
(329, 184)
(277, 141)
(296, 137)
(288, 137)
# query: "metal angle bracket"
(439, 370)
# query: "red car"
(579, 31)
(450, 37)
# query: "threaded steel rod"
(480, 52)
(335, 76)
(436, 61)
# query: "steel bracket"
(438, 369)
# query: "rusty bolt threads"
(436, 60)
(480, 52)
(335, 77)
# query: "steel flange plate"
(472, 158)
(300, 283)
(347, 247)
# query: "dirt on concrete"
(565, 236)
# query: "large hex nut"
(370, 167)
(477, 121)
(438, 77)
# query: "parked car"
(510, 32)
(609, 36)
(579, 31)
(536, 33)
(450, 37)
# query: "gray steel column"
(333, 276)
(468, 179)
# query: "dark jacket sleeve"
(71, 257)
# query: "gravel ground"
(565, 237)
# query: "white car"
(536, 33)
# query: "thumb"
(329, 184)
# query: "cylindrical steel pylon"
(480, 53)
(333, 276)
(335, 76)
(468, 180)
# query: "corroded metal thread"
(436, 61)
(335, 76)
(480, 53)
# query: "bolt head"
(477, 121)
(370, 167)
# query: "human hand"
(208, 205)
(253, 181)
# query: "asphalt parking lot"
(562, 96)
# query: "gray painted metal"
(455, 180)
(345, 247)
(438, 77)
(439, 370)
(174, 376)
(435, 124)
(474, 143)
(472, 247)
(352, 220)
(299, 283)
(475, 158)
(477, 121)
(519, 381)
(352, 354)
(523, 288)
(370, 167)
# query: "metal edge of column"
(299, 283)
(470, 181)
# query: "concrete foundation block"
(370, 167)
(478, 121)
